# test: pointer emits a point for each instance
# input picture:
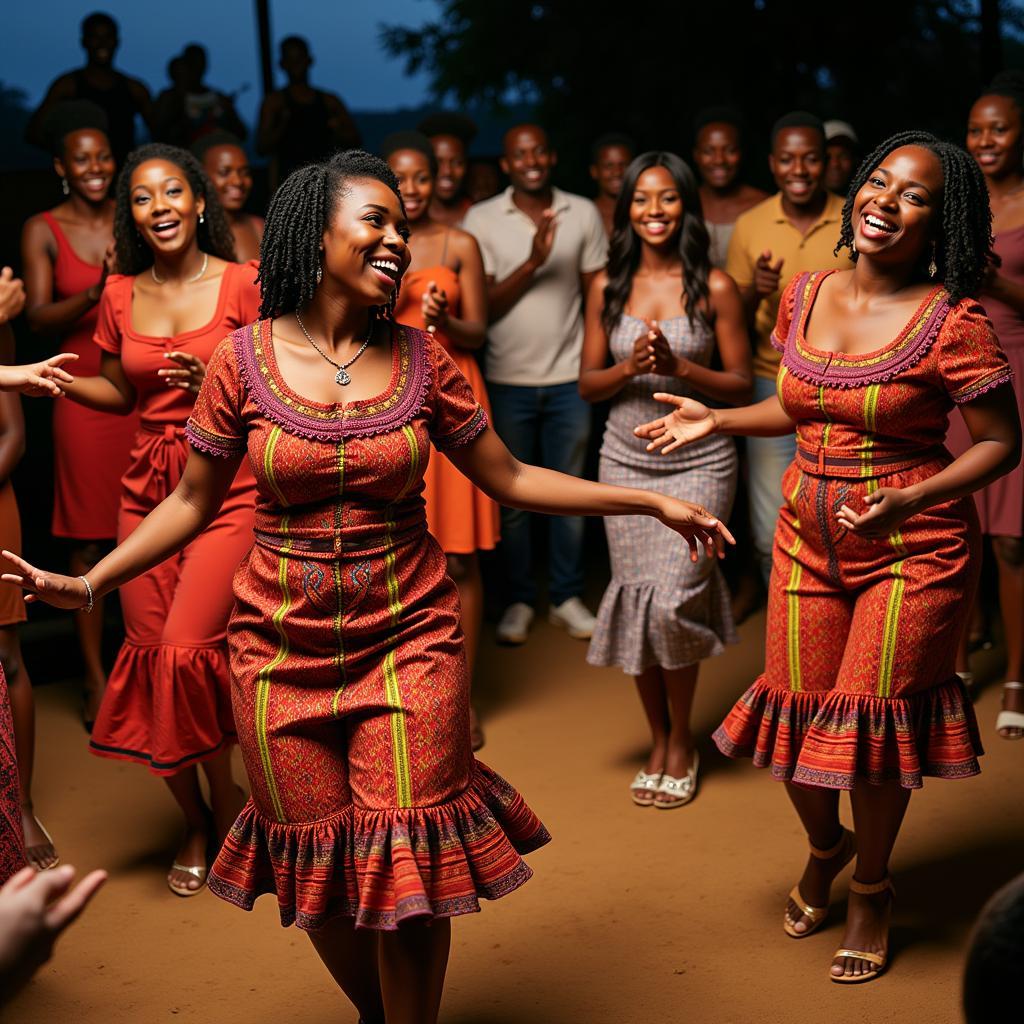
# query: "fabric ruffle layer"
(384, 867)
(637, 629)
(166, 707)
(832, 739)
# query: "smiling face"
(99, 40)
(528, 159)
(797, 163)
(365, 243)
(164, 207)
(415, 181)
(994, 136)
(897, 211)
(839, 165)
(656, 211)
(451, 167)
(87, 163)
(609, 169)
(228, 168)
(717, 154)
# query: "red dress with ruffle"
(859, 680)
(167, 704)
(351, 695)
(12, 840)
(91, 449)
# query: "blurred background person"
(483, 179)
(120, 97)
(227, 166)
(609, 157)
(300, 124)
(67, 254)
(995, 953)
(841, 144)
(450, 134)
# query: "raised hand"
(543, 239)
(767, 275)
(68, 592)
(38, 380)
(664, 362)
(187, 375)
(435, 308)
(888, 509)
(12, 295)
(689, 421)
(698, 527)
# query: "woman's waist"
(867, 462)
(277, 535)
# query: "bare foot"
(815, 883)
(39, 848)
(867, 930)
(191, 854)
(1013, 700)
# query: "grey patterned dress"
(660, 608)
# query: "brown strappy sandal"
(845, 848)
(878, 959)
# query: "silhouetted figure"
(992, 974)
(300, 124)
(119, 96)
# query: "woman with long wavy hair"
(656, 317)
(179, 292)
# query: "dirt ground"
(633, 915)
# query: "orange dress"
(459, 514)
(168, 700)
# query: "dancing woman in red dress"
(350, 686)
(877, 544)
(67, 253)
(167, 703)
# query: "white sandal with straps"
(675, 792)
(1007, 720)
(644, 787)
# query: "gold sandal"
(878, 959)
(817, 915)
(196, 871)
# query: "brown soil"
(633, 915)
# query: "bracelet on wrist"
(88, 606)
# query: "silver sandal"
(678, 791)
(645, 784)
(1011, 719)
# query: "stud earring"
(933, 267)
(202, 218)
(65, 187)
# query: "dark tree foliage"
(647, 70)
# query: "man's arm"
(503, 295)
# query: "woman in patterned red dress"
(876, 550)
(350, 685)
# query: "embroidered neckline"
(403, 398)
(853, 370)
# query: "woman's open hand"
(67, 592)
(696, 525)
(38, 380)
(688, 422)
(187, 375)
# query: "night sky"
(40, 40)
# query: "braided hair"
(963, 249)
(213, 235)
(625, 248)
(298, 216)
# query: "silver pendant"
(342, 377)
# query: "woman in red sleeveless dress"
(444, 292)
(67, 254)
(167, 703)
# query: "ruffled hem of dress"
(165, 716)
(832, 739)
(384, 867)
(631, 636)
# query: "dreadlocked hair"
(213, 235)
(963, 245)
(290, 254)
(691, 242)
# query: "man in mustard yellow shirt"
(790, 232)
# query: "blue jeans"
(548, 426)
(768, 458)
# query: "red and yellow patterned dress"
(350, 690)
(859, 680)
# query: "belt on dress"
(377, 544)
(870, 463)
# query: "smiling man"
(793, 231)
(541, 249)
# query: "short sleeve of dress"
(457, 415)
(245, 297)
(783, 322)
(110, 316)
(970, 358)
(216, 425)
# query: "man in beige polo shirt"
(790, 232)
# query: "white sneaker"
(574, 617)
(515, 624)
